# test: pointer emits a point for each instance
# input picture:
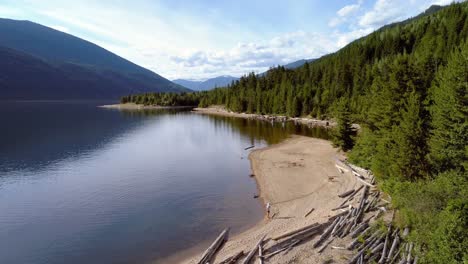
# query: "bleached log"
(361, 206)
(335, 247)
(358, 255)
(341, 169)
(371, 241)
(396, 240)
(233, 259)
(415, 260)
(346, 229)
(384, 250)
(370, 204)
(254, 250)
(326, 233)
(366, 183)
(325, 245)
(395, 256)
(214, 247)
(408, 259)
(290, 233)
(338, 225)
(331, 218)
(343, 195)
(359, 229)
(377, 248)
(405, 232)
(352, 195)
(355, 241)
(281, 249)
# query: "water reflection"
(81, 184)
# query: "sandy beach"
(294, 176)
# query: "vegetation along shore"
(406, 85)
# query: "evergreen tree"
(343, 132)
(449, 139)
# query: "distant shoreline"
(133, 106)
(270, 118)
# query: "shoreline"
(221, 111)
(133, 106)
(308, 162)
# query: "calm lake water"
(81, 184)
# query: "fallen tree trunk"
(233, 259)
(343, 195)
(254, 250)
(326, 233)
(214, 247)
(325, 245)
(352, 195)
(281, 249)
(290, 233)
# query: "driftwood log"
(253, 251)
(290, 233)
(214, 247)
(309, 212)
(233, 259)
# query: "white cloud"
(383, 12)
(258, 57)
(348, 10)
(344, 13)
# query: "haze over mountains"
(220, 81)
(223, 81)
(38, 62)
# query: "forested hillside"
(41, 63)
(407, 86)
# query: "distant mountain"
(39, 62)
(220, 81)
(297, 64)
(292, 65)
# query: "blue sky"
(203, 39)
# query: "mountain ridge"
(61, 52)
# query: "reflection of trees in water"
(270, 132)
(254, 129)
(150, 112)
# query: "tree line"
(407, 86)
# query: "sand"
(294, 176)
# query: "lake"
(82, 184)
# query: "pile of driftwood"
(359, 207)
(382, 247)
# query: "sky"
(200, 39)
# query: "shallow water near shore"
(82, 184)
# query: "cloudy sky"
(199, 39)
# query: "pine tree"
(449, 139)
(343, 132)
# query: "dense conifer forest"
(407, 86)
